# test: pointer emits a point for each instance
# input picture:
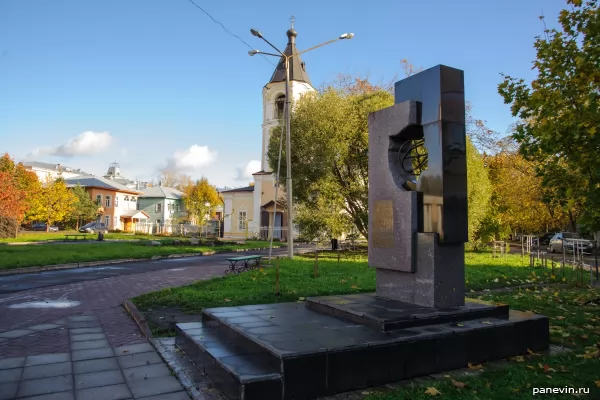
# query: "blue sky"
(167, 86)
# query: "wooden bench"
(76, 237)
(248, 262)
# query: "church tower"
(274, 92)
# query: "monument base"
(437, 281)
(291, 351)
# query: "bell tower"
(274, 92)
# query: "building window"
(137, 207)
(242, 222)
(116, 201)
(132, 198)
(126, 198)
(107, 202)
(98, 199)
(279, 107)
(107, 220)
(158, 221)
(158, 207)
(177, 207)
(170, 206)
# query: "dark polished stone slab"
(301, 353)
(388, 314)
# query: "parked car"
(570, 241)
(545, 239)
(42, 227)
(94, 227)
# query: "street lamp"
(288, 188)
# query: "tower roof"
(297, 66)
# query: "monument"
(417, 322)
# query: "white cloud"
(191, 159)
(243, 174)
(84, 144)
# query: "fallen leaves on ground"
(474, 366)
(432, 391)
(458, 384)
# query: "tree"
(479, 191)
(12, 206)
(330, 157)
(200, 198)
(174, 179)
(56, 200)
(560, 109)
(84, 207)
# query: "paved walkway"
(92, 350)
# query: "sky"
(157, 84)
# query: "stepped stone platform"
(327, 345)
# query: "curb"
(183, 378)
(55, 267)
(138, 318)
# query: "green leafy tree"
(200, 198)
(56, 202)
(330, 157)
(479, 191)
(560, 109)
(84, 208)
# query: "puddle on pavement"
(46, 304)
(176, 269)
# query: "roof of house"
(241, 189)
(296, 65)
(263, 173)
(139, 214)
(98, 182)
(162, 192)
(53, 167)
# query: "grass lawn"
(574, 323)
(30, 256)
(574, 312)
(30, 236)
(352, 275)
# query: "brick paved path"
(29, 332)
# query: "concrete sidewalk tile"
(46, 386)
(43, 327)
(90, 354)
(10, 375)
(140, 359)
(47, 371)
(134, 349)
(8, 391)
(114, 392)
(82, 318)
(103, 364)
(88, 324)
(52, 396)
(146, 372)
(152, 387)
(47, 359)
(12, 362)
(79, 331)
(89, 344)
(17, 333)
(102, 378)
(169, 396)
(87, 336)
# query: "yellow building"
(249, 211)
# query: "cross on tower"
(292, 20)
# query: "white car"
(569, 241)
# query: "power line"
(227, 30)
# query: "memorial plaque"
(383, 224)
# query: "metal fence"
(210, 229)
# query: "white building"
(54, 171)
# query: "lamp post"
(288, 187)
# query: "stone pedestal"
(438, 280)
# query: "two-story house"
(163, 205)
(117, 202)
